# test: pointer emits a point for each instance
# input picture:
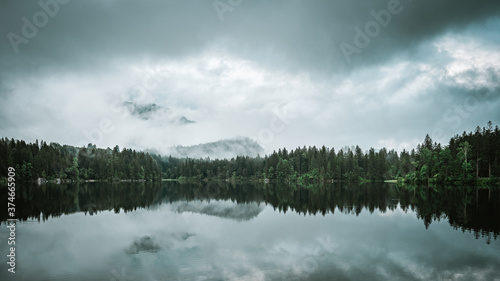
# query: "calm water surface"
(169, 231)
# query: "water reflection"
(466, 208)
(222, 209)
(143, 244)
(254, 232)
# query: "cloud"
(163, 243)
(287, 34)
(233, 76)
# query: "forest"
(54, 161)
(466, 158)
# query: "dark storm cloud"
(308, 34)
(418, 22)
(92, 32)
(224, 68)
(289, 34)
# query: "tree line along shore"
(467, 158)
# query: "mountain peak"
(150, 111)
(226, 148)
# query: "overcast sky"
(284, 73)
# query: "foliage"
(468, 157)
(430, 162)
(51, 161)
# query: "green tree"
(463, 155)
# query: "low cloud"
(232, 76)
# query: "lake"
(224, 231)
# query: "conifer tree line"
(50, 161)
(467, 157)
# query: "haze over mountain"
(378, 73)
(227, 148)
(150, 111)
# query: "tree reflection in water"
(466, 208)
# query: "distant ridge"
(222, 149)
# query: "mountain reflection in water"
(466, 208)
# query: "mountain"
(150, 111)
(227, 148)
(222, 209)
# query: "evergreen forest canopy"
(466, 158)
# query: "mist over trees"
(221, 149)
(466, 158)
